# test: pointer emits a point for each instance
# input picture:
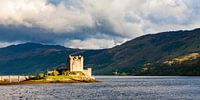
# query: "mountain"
(30, 58)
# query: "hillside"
(33, 58)
(30, 58)
(184, 65)
(150, 48)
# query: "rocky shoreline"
(43, 81)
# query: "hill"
(151, 48)
(33, 58)
(126, 58)
(187, 65)
(29, 58)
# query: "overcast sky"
(92, 24)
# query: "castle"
(75, 63)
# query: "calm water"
(112, 88)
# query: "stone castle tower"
(75, 63)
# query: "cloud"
(40, 13)
(90, 23)
(90, 43)
(5, 44)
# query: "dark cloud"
(24, 34)
(91, 23)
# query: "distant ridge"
(30, 58)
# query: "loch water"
(110, 88)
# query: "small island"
(74, 73)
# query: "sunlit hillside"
(186, 65)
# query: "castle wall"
(14, 78)
(88, 72)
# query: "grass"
(71, 77)
(53, 79)
(61, 77)
(184, 58)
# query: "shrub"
(38, 76)
(55, 73)
(66, 73)
(79, 73)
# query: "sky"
(92, 24)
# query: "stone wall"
(13, 78)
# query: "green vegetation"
(78, 73)
(187, 65)
(64, 78)
(56, 76)
(38, 76)
(55, 73)
(120, 73)
(60, 77)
